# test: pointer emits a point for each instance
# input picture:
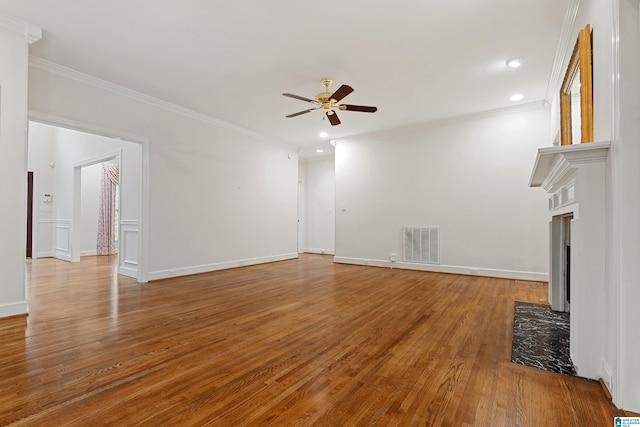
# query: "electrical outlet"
(392, 257)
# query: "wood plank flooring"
(300, 342)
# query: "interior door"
(29, 213)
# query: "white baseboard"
(197, 269)
(319, 251)
(14, 309)
(48, 254)
(470, 271)
(89, 253)
(127, 271)
(62, 256)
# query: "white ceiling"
(417, 61)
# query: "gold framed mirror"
(580, 65)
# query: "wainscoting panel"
(62, 239)
(128, 253)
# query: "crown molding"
(30, 32)
(530, 106)
(96, 82)
(566, 42)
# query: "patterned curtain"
(106, 227)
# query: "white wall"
(90, 204)
(625, 316)
(470, 177)
(40, 159)
(320, 205)
(302, 215)
(616, 67)
(13, 161)
(218, 196)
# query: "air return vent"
(422, 244)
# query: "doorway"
(60, 154)
(29, 214)
(560, 262)
(99, 206)
(566, 261)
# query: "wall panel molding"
(128, 248)
(62, 239)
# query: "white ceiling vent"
(422, 244)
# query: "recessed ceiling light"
(515, 62)
(323, 134)
(319, 150)
(516, 97)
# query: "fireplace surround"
(574, 177)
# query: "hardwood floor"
(300, 342)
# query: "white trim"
(90, 80)
(554, 164)
(197, 269)
(98, 159)
(35, 214)
(88, 253)
(467, 271)
(531, 106)
(30, 32)
(47, 254)
(128, 263)
(617, 335)
(314, 158)
(319, 251)
(14, 309)
(566, 42)
(48, 119)
(62, 252)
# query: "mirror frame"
(581, 58)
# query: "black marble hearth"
(541, 338)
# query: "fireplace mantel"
(555, 166)
(575, 178)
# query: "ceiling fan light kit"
(329, 102)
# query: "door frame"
(75, 251)
(143, 237)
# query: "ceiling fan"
(328, 102)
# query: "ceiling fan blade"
(333, 118)
(301, 112)
(342, 91)
(301, 98)
(361, 108)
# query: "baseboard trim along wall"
(470, 271)
(319, 251)
(13, 309)
(197, 269)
